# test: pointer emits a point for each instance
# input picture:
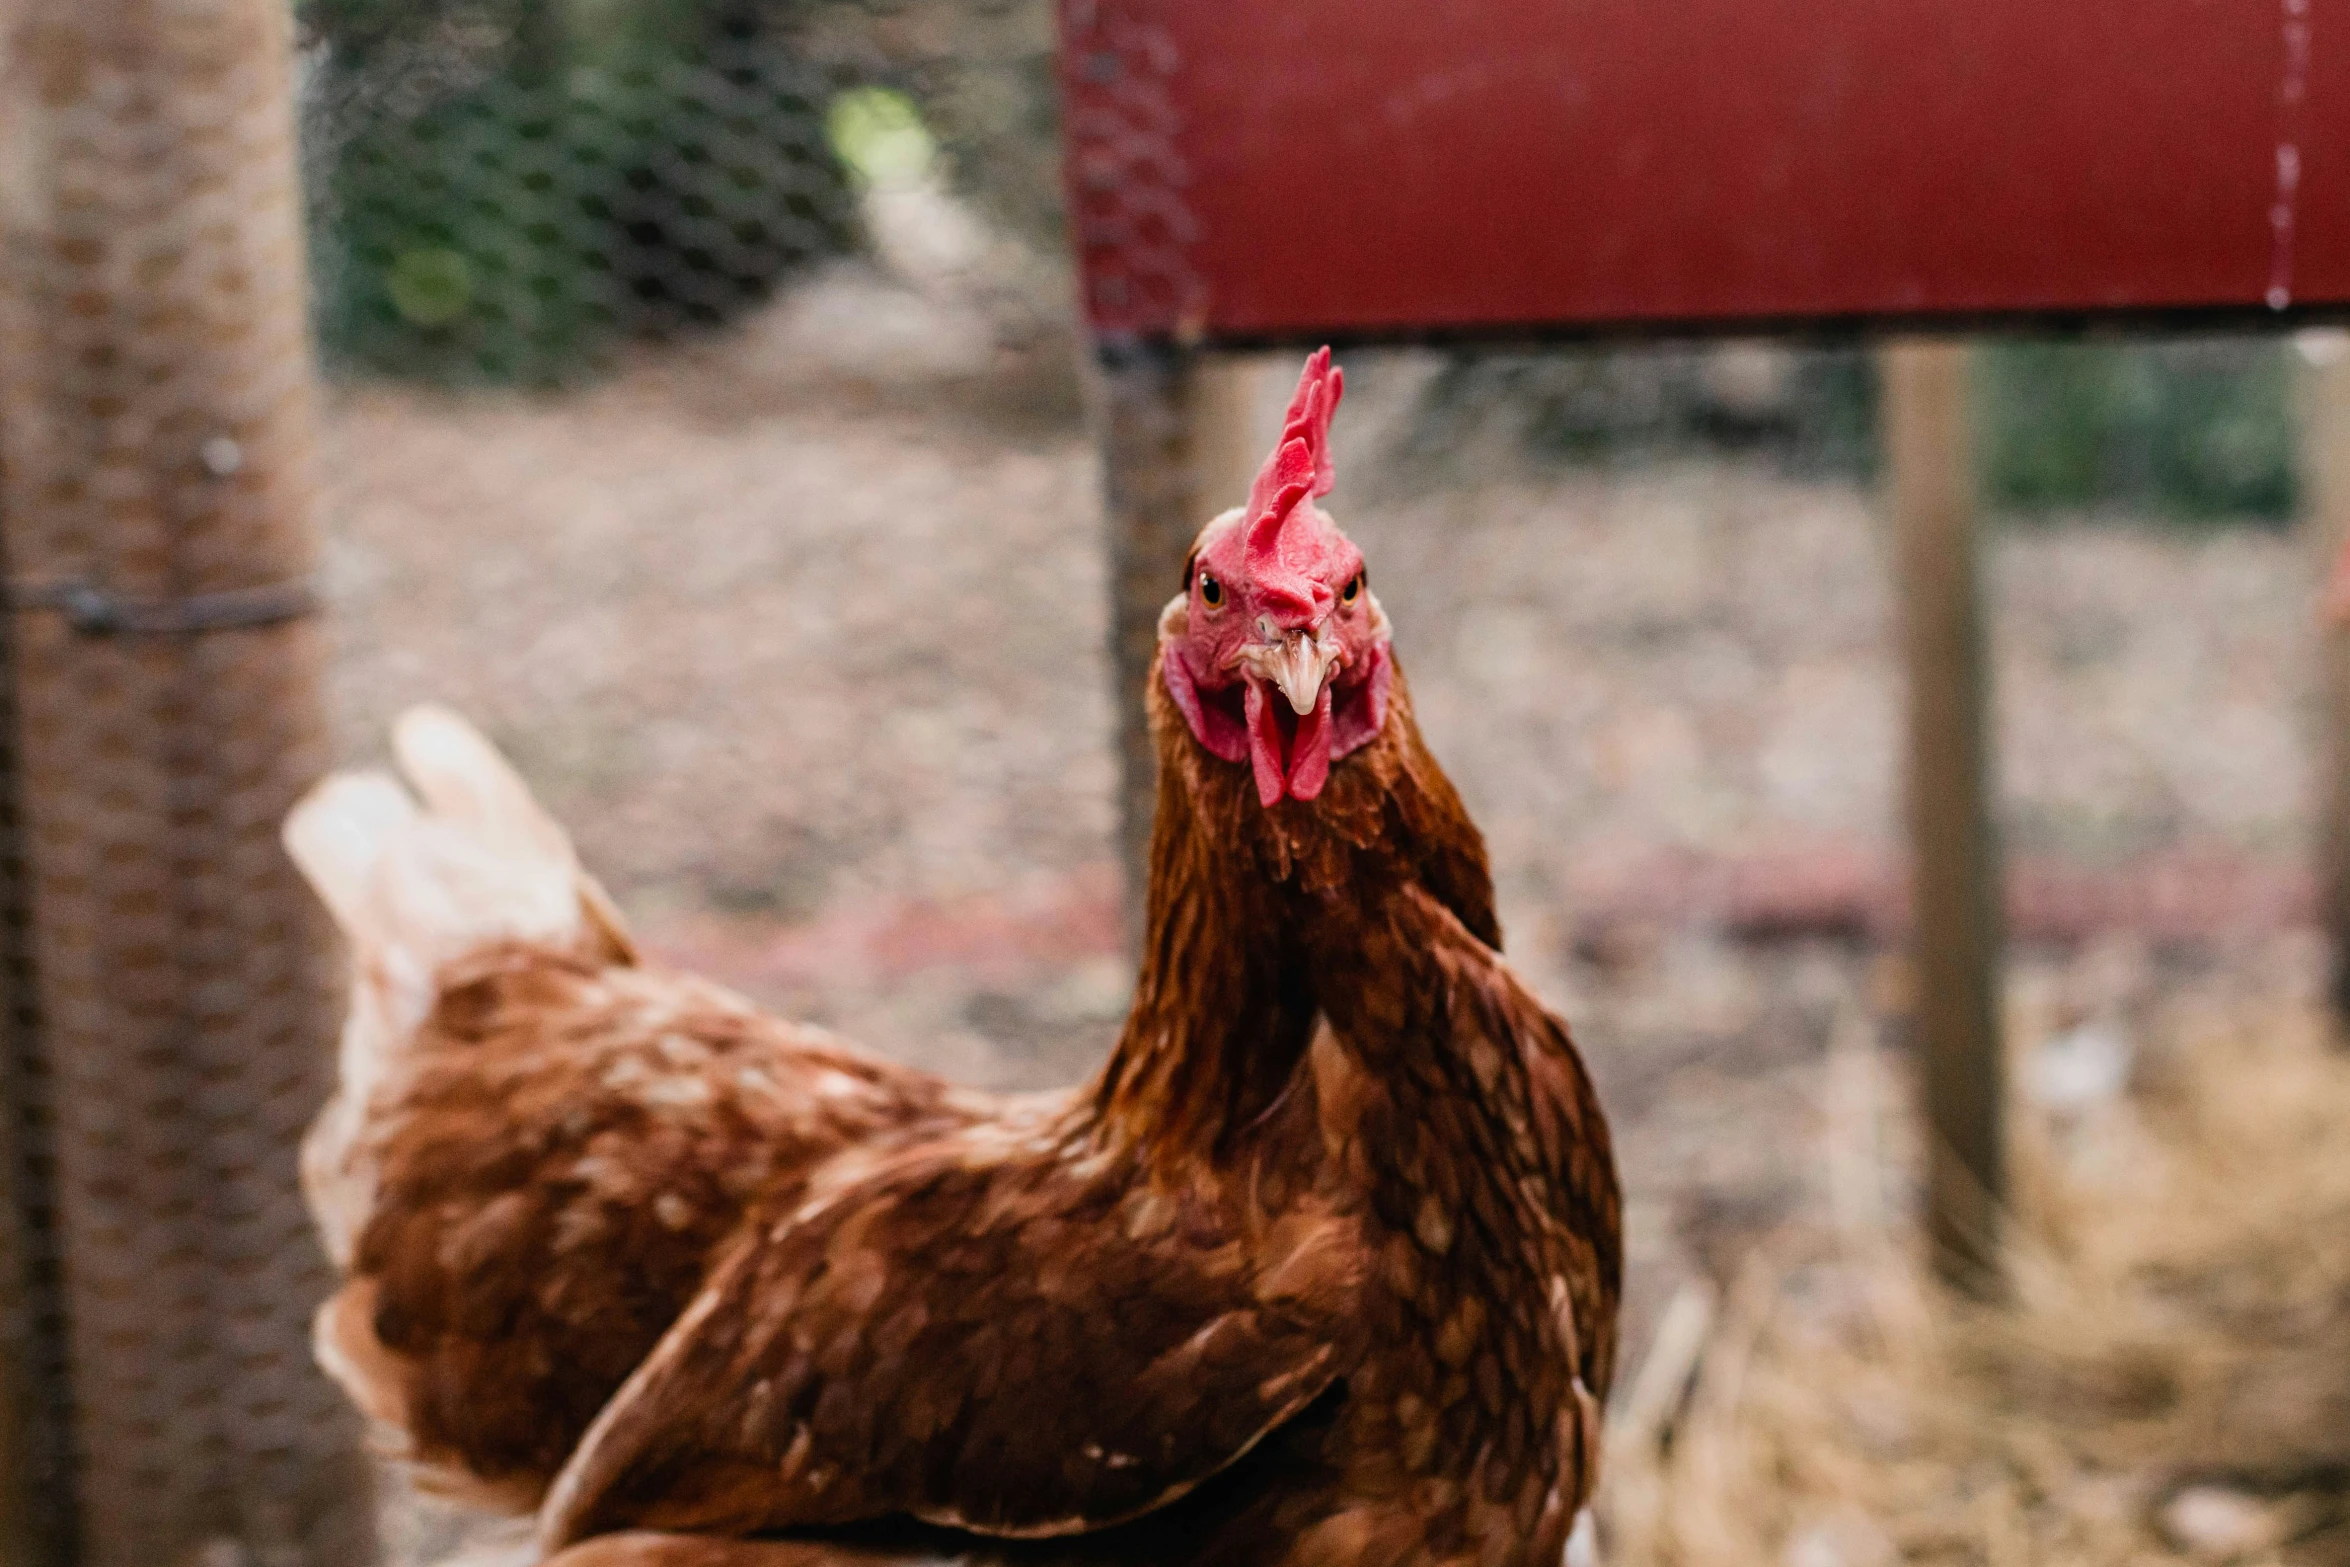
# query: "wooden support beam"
(1235, 417)
(37, 1525)
(1955, 881)
(1178, 432)
(2325, 470)
(155, 457)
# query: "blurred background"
(707, 417)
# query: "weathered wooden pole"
(1176, 432)
(155, 436)
(1955, 937)
(2325, 466)
(36, 1469)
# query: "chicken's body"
(1404, 1223)
(538, 1140)
(1320, 1269)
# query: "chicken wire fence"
(521, 194)
(510, 193)
(200, 196)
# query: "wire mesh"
(157, 428)
(511, 193)
(493, 197)
(670, 210)
(515, 228)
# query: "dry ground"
(2167, 1380)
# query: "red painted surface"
(1287, 168)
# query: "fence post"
(154, 490)
(36, 1471)
(2325, 466)
(1176, 426)
(1955, 882)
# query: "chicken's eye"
(1211, 592)
(1353, 589)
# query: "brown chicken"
(537, 1140)
(1322, 1267)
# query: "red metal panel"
(1277, 168)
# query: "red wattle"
(1264, 746)
(1211, 723)
(1309, 753)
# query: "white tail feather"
(413, 890)
(462, 777)
(339, 830)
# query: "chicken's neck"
(1474, 1126)
(1472, 1134)
(1462, 1116)
(1221, 1014)
(1388, 817)
(1223, 1005)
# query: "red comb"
(1300, 463)
(1289, 474)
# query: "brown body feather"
(567, 1142)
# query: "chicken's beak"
(1290, 759)
(1297, 664)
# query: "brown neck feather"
(1223, 1008)
(1221, 1014)
(1258, 919)
(1388, 816)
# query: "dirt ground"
(802, 632)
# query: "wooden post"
(1176, 431)
(1235, 417)
(36, 1511)
(2325, 467)
(1956, 888)
(155, 490)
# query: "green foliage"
(2184, 430)
(508, 215)
(982, 73)
(1810, 408)
(879, 134)
(463, 256)
(2190, 430)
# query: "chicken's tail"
(413, 887)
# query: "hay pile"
(2169, 1381)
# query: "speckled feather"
(1027, 1331)
(1321, 1267)
(1295, 1296)
(568, 1141)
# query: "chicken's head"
(1276, 651)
